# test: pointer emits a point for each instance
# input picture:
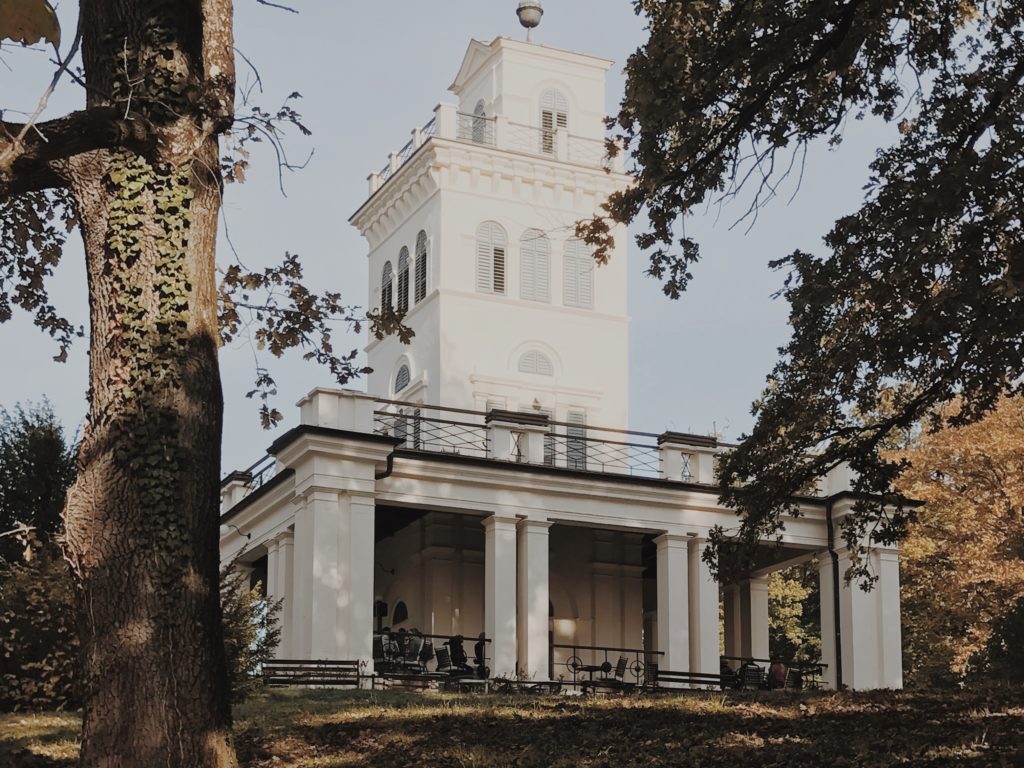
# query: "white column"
(500, 593)
(284, 584)
(533, 621)
(703, 589)
(360, 555)
(332, 614)
(828, 631)
(891, 636)
(273, 568)
(754, 601)
(673, 598)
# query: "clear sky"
(371, 71)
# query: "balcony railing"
(499, 133)
(436, 429)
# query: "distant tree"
(963, 560)
(923, 285)
(37, 466)
(794, 605)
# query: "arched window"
(421, 266)
(480, 123)
(537, 362)
(535, 267)
(401, 613)
(491, 243)
(402, 379)
(403, 280)
(577, 275)
(554, 115)
(386, 287)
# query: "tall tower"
(471, 234)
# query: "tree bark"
(142, 517)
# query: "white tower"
(471, 234)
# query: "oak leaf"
(28, 22)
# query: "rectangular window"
(576, 440)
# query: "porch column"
(828, 629)
(673, 610)
(703, 589)
(871, 642)
(284, 586)
(360, 556)
(500, 593)
(732, 610)
(332, 614)
(273, 566)
(533, 620)
(754, 618)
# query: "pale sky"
(371, 71)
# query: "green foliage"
(794, 610)
(36, 468)
(38, 636)
(924, 285)
(251, 629)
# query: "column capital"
(285, 538)
(673, 540)
(533, 525)
(506, 522)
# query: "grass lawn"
(327, 728)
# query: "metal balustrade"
(592, 667)
(476, 129)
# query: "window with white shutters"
(403, 280)
(421, 266)
(479, 123)
(554, 115)
(534, 266)
(536, 362)
(575, 440)
(386, 288)
(402, 379)
(491, 243)
(577, 275)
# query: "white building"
(471, 491)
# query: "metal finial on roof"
(529, 13)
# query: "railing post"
(417, 138)
(687, 458)
(394, 161)
(338, 409)
(374, 182)
(507, 430)
(445, 116)
(233, 489)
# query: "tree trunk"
(142, 517)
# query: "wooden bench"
(316, 672)
(658, 678)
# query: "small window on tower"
(554, 116)
(421, 266)
(491, 242)
(403, 280)
(386, 287)
(402, 379)
(536, 362)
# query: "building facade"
(471, 491)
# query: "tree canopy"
(915, 297)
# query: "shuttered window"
(403, 280)
(536, 362)
(402, 379)
(491, 243)
(421, 266)
(577, 275)
(575, 443)
(479, 123)
(386, 288)
(554, 115)
(535, 266)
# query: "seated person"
(777, 675)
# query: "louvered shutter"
(402, 379)
(575, 444)
(421, 266)
(535, 266)
(386, 287)
(577, 275)
(403, 280)
(554, 114)
(536, 362)
(490, 258)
